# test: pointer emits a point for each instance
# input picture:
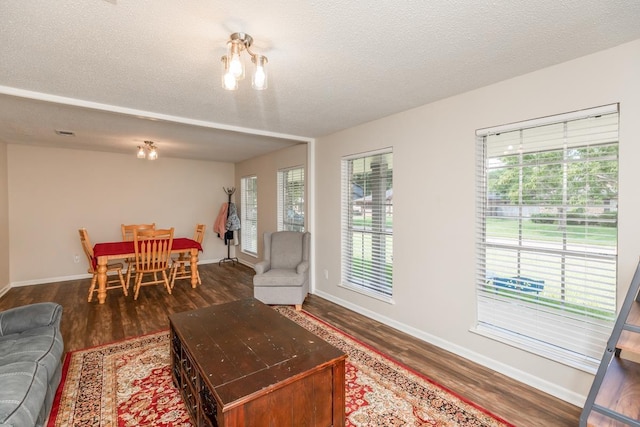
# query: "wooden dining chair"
(127, 236)
(153, 253)
(93, 267)
(179, 265)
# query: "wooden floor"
(89, 324)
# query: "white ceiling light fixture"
(147, 151)
(233, 67)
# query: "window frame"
(291, 199)
(502, 313)
(372, 233)
(249, 215)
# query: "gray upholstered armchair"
(283, 276)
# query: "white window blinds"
(367, 223)
(249, 213)
(547, 193)
(291, 199)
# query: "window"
(249, 207)
(367, 223)
(291, 199)
(547, 234)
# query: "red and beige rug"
(128, 383)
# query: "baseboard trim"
(72, 277)
(524, 377)
(46, 280)
(4, 290)
(248, 264)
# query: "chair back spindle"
(127, 230)
(153, 251)
(127, 236)
(198, 236)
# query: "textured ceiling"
(117, 72)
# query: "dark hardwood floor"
(89, 324)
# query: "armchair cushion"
(280, 277)
(286, 249)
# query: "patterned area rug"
(128, 383)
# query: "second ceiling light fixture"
(147, 151)
(233, 67)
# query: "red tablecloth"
(180, 244)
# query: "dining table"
(104, 252)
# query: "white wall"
(4, 221)
(434, 210)
(53, 192)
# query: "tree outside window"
(547, 234)
(367, 223)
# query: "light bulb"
(141, 154)
(259, 81)
(229, 82)
(153, 153)
(235, 67)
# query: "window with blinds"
(249, 214)
(547, 209)
(367, 223)
(291, 199)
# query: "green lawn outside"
(508, 229)
(592, 277)
(366, 220)
(576, 234)
(362, 258)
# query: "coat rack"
(228, 258)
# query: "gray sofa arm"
(262, 267)
(20, 319)
(302, 267)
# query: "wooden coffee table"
(244, 364)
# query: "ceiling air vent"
(65, 133)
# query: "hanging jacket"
(219, 225)
(233, 222)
